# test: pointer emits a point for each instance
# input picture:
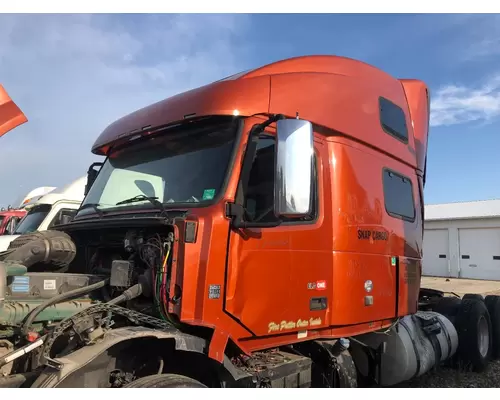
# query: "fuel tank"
(415, 345)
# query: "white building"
(462, 240)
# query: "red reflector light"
(32, 336)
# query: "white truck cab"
(56, 207)
(35, 194)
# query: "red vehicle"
(9, 219)
(264, 230)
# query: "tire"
(473, 325)
(493, 305)
(448, 306)
(165, 381)
(473, 296)
(347, 376)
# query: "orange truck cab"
(260, 231)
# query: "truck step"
(274, 369)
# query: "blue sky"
(74, 74)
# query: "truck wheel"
(473, 325)
(493, 305)
(473, 296)
(165, 381)
(448, 306)
(346, 374)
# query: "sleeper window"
(398, 195)
(393, 119)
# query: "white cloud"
(74, 74)
(453, 104)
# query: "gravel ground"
(452, 378)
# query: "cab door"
(277, 277)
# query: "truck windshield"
(187, 164)
(32, 219)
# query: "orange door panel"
(273, 289)
(279, 279)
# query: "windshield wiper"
(153, 200)
(95, 206)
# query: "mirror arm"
(236, 211)
(91, 172)
(271, 120)
(95, 164)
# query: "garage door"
(435, 260)
(480, 253)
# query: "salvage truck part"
(261, 231)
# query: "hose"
(56, 249)
(129, 294)
(58, 299)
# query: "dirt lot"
(461, 286)
(451, 378)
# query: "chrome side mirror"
(293, 189)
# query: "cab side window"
(259, 201)
(398, 196)
(11, 225)
(393, 119)
(63, 216)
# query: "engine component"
(132, 241)
(45, 285)
(129, 294)
(14, 312)
(29, 237)
(14, 355)
(58, 299)
(121, 273)
(416, 344)
(47, 247)
(5, 348)
(3, 281)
